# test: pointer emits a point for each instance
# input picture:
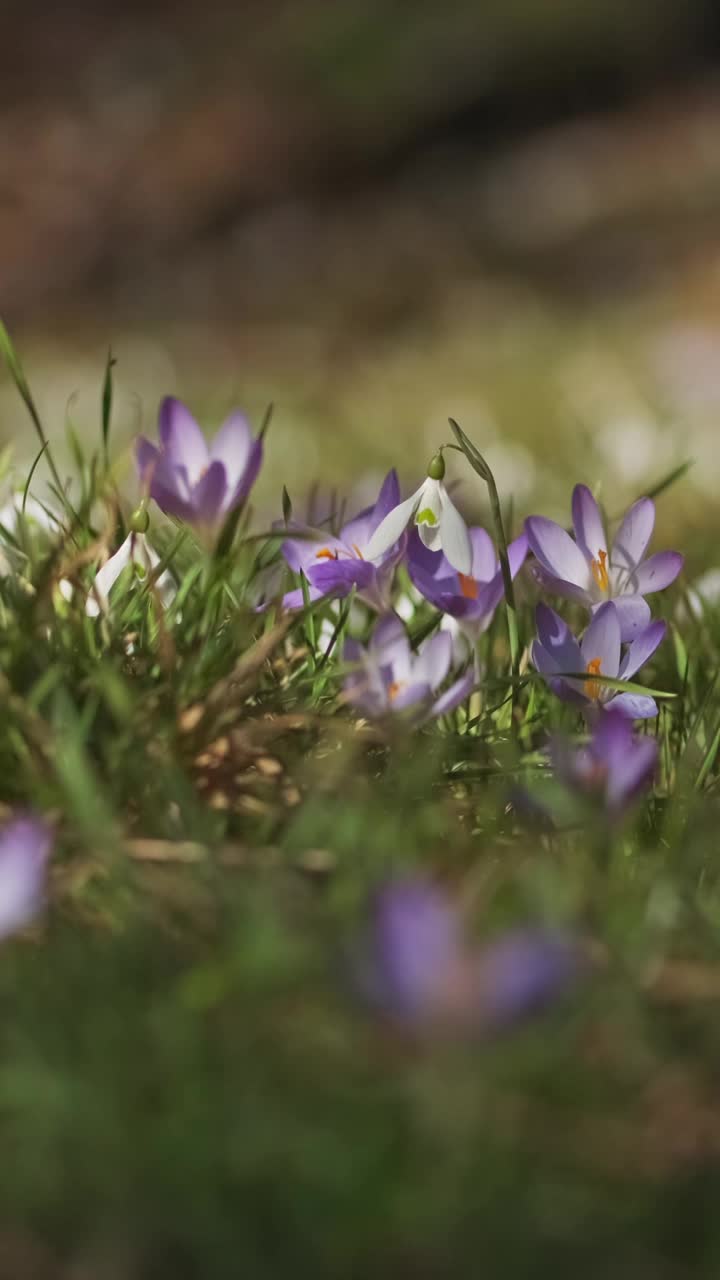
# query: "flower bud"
(139, 521)
(436, 467)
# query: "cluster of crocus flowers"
(593, 571)
(387, 678)
(335, 564)
(417, 967)
(197, 483)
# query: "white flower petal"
(455, 539)
(106, 578)
(390, 529)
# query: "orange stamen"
(326, 554)
(357, 551)
(599, 570)
(468, 586)
(394, 689)
(592, 687)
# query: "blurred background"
(375, 215)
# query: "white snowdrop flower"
(134, 550)
(439, 523)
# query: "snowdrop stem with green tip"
(479, 465)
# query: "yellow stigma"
(592, 687)
(357, 551)
(394, 689)
(600, 572)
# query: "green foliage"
(188, 1086)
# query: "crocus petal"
(392, 526)
(209, 494)
(106, 577)
(635, 705)
(231, 447)
(388, 498)
(248, 476)
(454, 696)
(415, 945)
(433, 661)
(182, 440)
(295, 599)
(642, 648)
(455, 537)
(634, 615)
(588, 522)
(602, 640)
(559, 647)
(301, 552)
(390, 646)
(657, 572)
(411, 695)
(146, 456)
(559, 586)
(633, 535)
(338, 577)
(521, 973)
(25, 845)
(634, 773)
(484, 556)
(556, 552)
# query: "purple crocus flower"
(557, 654)
(199, 485)
(388, 677)
(419, 969)
(24, 851)
(334, 565)
(470, 598)
(614, 767)
(587, 571)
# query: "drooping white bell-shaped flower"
(439, 523)
(135, 550)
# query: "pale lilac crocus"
(592, 571)
(557, 655)
(613, 768)
(199, 484)
(334, 565)
(418, 968)
(470, 599)
(136, 551)
(439, 523)
(387, 678)
(25, 845)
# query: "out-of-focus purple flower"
(586, 570)
(188, 479)
(419, 969)
(25, 845)
(469, 598)
(388, 678)
(614, 767)
(557, 655)
(334, 565)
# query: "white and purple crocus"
(387, 678)
(333, 565)
(198, 484)
(559, 657)
(592, 571)
(418, 968)
(25, 845)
